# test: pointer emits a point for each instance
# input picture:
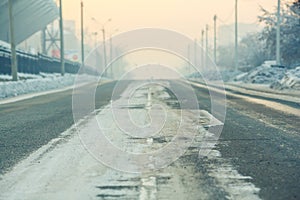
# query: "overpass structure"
(30, 16)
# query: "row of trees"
(255, 48)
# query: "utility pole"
(82, 36)
(96, 41)
(195, 53)
(202, 45)
(206, 47)
(215, 38)
(104, 51)
(14, 63)
(105, 73)
(189, 59)
(111, 56)
(236, 51)
(62, 49)
(278, 60)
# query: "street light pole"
(61, 27)
(111, 52)
(82, 36)
(111, 56)
(104, 44)
(206, 47)
(189, 59)
(96, 41)
(14, 63)
(195, 52)
(278, 60)
(236, 51)
(202, 51)
(104, 51)
(215, 38)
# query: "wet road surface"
(257, 155)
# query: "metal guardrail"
(34, 64)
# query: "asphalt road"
(29, 124)
(262, 143)
(258, 141)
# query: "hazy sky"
(186, 16)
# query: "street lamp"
(202, 44)
(111, 51)
(278, 61)
(96, 41)
(215, 38)
(236, 51)
(206, 45)
(62, 49)
(82, 35)
(104, 45)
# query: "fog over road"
(44, 156)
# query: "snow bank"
(265, 74)
(22, 76)
(4, 44)
(35, 83)
(291, 80)
(268, 74)
(275, 77)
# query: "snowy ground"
(30, 83)
(291, 80)
(266, 75)
(262, 75)
(277, 78)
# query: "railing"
(34, 64)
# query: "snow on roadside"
(30, 83)
(274, 77)
(23, 76)
(268, 75)
(291, 80)
(264, 74)
(278, 78)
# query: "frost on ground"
(30, 83)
